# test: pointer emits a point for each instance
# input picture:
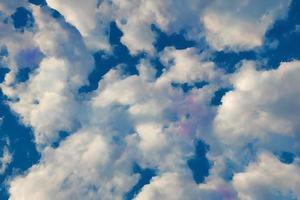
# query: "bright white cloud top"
(143, 118)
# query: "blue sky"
(149, 100)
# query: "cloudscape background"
(149, 99)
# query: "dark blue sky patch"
(27, 60)
(22, 19)
(286, 157)
(115, 34)
(228, 60)
(105, 62)
(247, 155)
(176, 40)
(199, 164)
(230, 170)
(55, 14)
(38, 2)
(158, 66)
(186, 87)
(217, 98)
(23, 74)
(145, 178)
(21, 143)
(62, 135)
(3, 71)
(3, 52)
(30, 58)
(284, 32)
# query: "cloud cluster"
(268, 178)
(235, 25)
(5, 159)
(263, 105)
(241, 25)
(145, 119)
(94, 168)
(46, 101)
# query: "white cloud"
(18, 52)
(236, 25)
(268, 178)
(5, 159)
(177, 186)
(140, 120)
(155, 111)
(84, 166)
(47, 100)
(84, 15)
(143, 119)
(134, 18)
(170, 186)
(47, 108)
(8, 7)
(240, 25)
(189, 66)
(263, 104)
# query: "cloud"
(5, 159)
(145, 119)
(268, 178)
(127, 119)
(8, 7)
(133, 18)
(189, 66)
(177, 186)
(40, 105)
(66, 65)
(262, 105)
(240, 25)
(85, 16)
(85, 165)
(18, 53)
(169, 186)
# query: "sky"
(149, 99)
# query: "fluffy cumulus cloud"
(241, 25)
(18, 53)
(187, 66)
(262, 105)
(237, 25)
(66, 64)
(169, 186)
(89, 173)
(5, 159)
(268, 178)
(134, 18)
(91, 142)
(8, 7)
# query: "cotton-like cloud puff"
(134, 18)
(268, 178)
(8, 7)
(241, 25)
(237, 25)
(5, 159)
(263, 105)
(19, 53)
(143, 118)
(85, 16)
(170, 186)
(66, 65)
(89, 172)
